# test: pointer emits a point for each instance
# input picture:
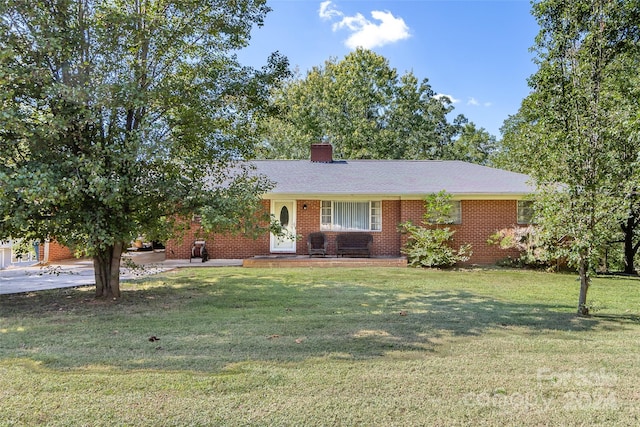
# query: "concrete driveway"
(79, 272)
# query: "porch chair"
(317, 244)
(199, 250)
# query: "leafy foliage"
(119, 118)
(579, 125)
(368, 111)
(528, 242)
(473, 145)
(429, 245)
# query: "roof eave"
(386, 196)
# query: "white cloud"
(328, 11)
(475, 103)
(384, 29)
(440, 96)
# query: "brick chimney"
(322, 152)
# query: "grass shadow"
(206, 323)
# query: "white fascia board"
(329, 196)
(356, 196)
(491, 196)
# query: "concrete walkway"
(79, 272)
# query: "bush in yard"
(429, 244)
(534, 252)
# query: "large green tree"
(625, 85)
(367, 110)
(474, 145)
(121, 117)
(577, 132)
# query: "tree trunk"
(106, 265)
(630, 249)
(583, 310)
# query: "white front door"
(284, 212)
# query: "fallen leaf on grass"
(403, 313)
(273, 336)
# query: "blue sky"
(474, 51)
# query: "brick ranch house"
(335, 196)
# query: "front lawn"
(233, 346)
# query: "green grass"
(324, 347)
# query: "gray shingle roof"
(407, 178)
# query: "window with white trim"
(525, 212)
(338, 215)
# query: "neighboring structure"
(54, 251)
(44, 253)
(5, 253)
(375, 196)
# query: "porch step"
(305, 261)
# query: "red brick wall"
(221, 246)
(480, 219)
(57, 252)
(389, 240)
(412, 210)
(385, 242)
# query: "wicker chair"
(317, 244)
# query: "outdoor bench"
(356, 244)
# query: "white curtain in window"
(351, 215)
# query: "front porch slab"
(293, 261)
